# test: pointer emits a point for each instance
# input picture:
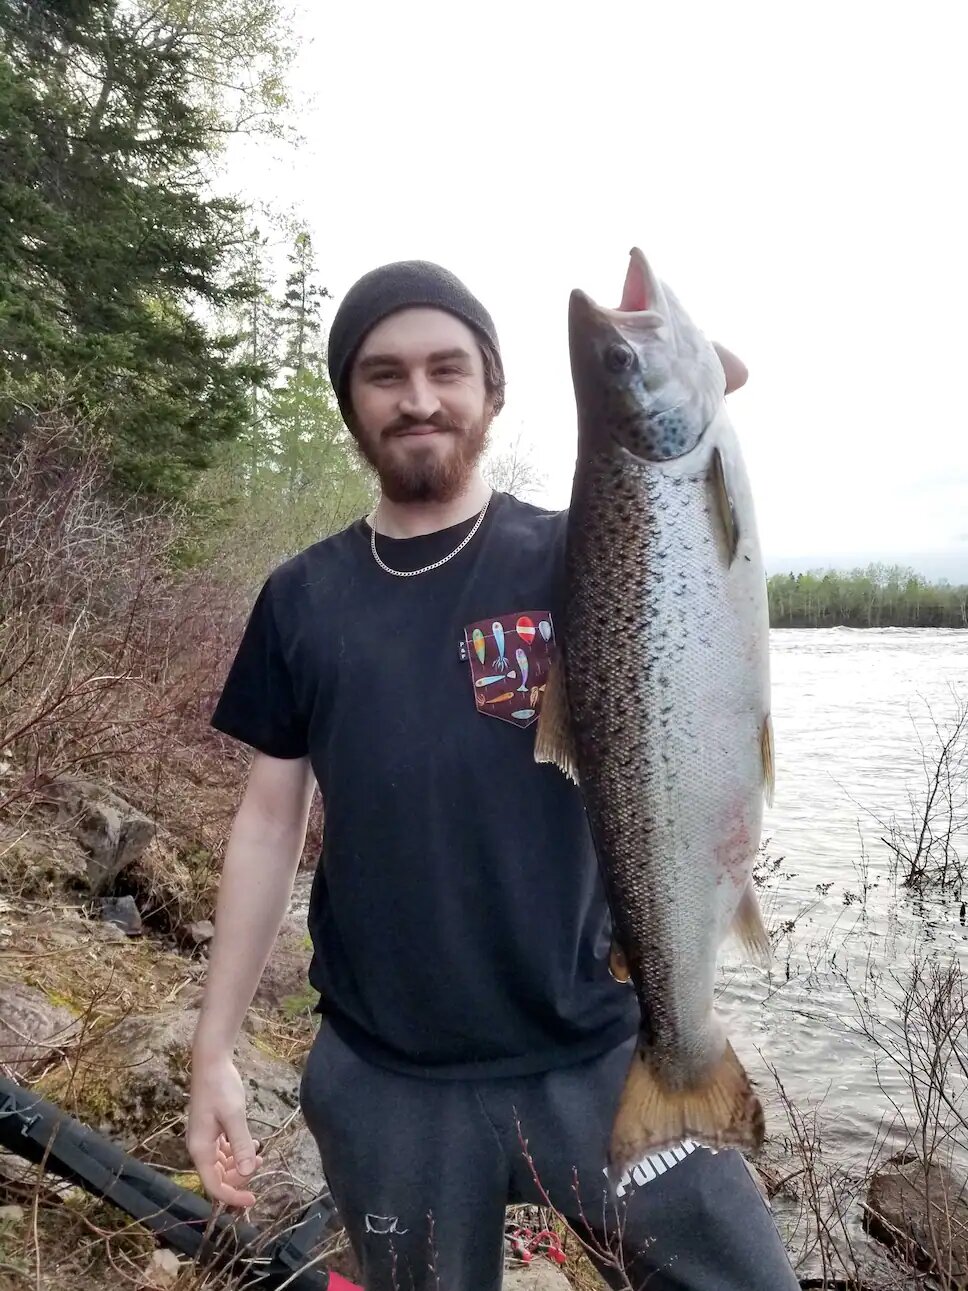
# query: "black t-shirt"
(458, 917)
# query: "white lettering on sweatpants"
(652, 1166)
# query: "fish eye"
(619, 358)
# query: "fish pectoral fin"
(749, 929)
(724, 504)
(721, 1111)
(769, 766)
(555, 740)
(618, 965)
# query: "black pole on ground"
(37, 1130)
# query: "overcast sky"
(797, 177)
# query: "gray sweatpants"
(422, 1170)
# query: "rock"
(112, 832)
(539, 1275)
(43, 863)
(32, 1028)
(923, 1213)
(201, 931)
(285, 982)
(110, 932)
(163, 1269)
(123, 913)
(132, 1084)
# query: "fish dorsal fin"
(555, 740)
(724, 504)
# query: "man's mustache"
(437, 419)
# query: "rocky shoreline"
(102, 964)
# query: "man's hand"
(218, 1135)
(735, 368)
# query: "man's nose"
(419, 399)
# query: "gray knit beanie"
(408, 284)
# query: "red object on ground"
(336, 1283)
(525, 1244)
(547, 1242)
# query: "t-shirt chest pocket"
(510, 656)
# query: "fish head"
(645, 377)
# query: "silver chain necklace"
(412, 573)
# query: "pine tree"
(112, 253)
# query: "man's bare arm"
(264, 847)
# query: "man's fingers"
(241, 1146)
(734, 367)
(213, 1181)
(232, 1190)
(224, 1184)
(228, 1165)
(230, 1174)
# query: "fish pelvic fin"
(749, 929)
(769, 765)
(618, 964)
(722, 1111)
(555, 740)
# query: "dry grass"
(71, 959)
(111, 657)
(67, 1238)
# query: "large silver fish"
(660, 707)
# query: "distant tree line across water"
(880, 596)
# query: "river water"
(847, 709)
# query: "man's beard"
(425, 473)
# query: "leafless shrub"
(917, 1025)
(818, 1198)
(929, 847)
(110, 655)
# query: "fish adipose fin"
(769, 767)
(723, 1111)
(749, 930)
(724, 503)
(555, 741)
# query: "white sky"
(795, 174)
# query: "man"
(459, 925)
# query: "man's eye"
(383, 378)
(449, 372)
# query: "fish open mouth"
(641, 304)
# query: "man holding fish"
(515, 965)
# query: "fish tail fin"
(721, 1111)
